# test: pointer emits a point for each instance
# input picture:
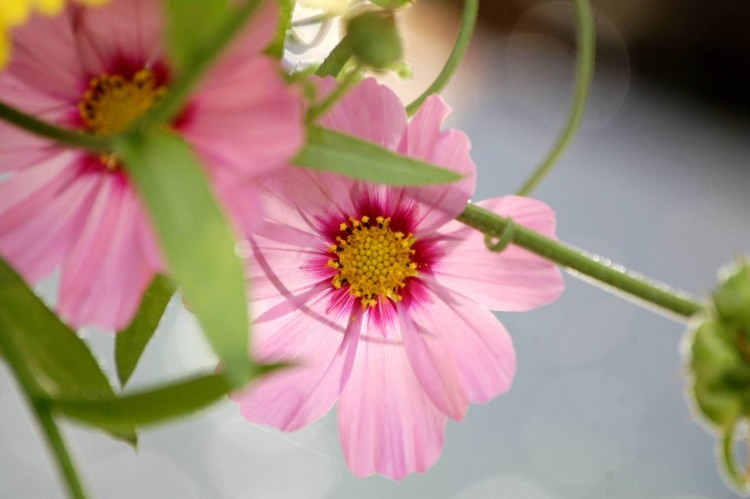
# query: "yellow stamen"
(112, 103)
(372, 260)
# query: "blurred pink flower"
(99, 70)
(381, 298)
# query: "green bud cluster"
(374, 39)
(720, 353)
(719, 360)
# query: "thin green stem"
(584, 264)
(739, 479)
(336, 60)
(41, 408)
(586, 41)
(344, 85)
(468, 21)
(62, 135)
(56, 443)
(178, 93)
(276, 48)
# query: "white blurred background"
(657, 180)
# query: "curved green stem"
(468, 21)
(597, 268)
(62, 135)
(56, 443)
(41, 408)
(585, 38)
(336, 60)
(727, 458)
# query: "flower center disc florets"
(373, 260)
(113, 102)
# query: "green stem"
(585, 39)
(344, 85)
(180, 91)
(468, 21)
(592, 266)
(336, 60)
(62, 135)
(276, 48)
(41, 408)
(56, 443)
(739, 479)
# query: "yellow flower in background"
(16, 12)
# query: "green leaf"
(196, 239)
(276, 48)
(192, 25)
(148, 407)
(156, 405)
(131, 341)
(59, 361)
(340, 153)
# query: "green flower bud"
(718, 351)
(732, 299)
(713, 362)
(374, 39)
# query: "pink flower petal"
(511, 280)
(242, 203)
(44, 57)
(105, 273)
(450, 149)
(242, 126)
(20, 149)
(41, 210)
(370, 111)
(257, 35)
(459, 351)
(149, 245)
(125, 32)
(300, 198)
(322, 348)
(387, 424)
(280, 271)
(430, 356)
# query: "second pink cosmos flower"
(98, 70)
(381, 299)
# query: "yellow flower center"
(372, 260)
(112, 102)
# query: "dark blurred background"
(698, 48)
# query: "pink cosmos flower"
(99, 69)
(381, 299)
